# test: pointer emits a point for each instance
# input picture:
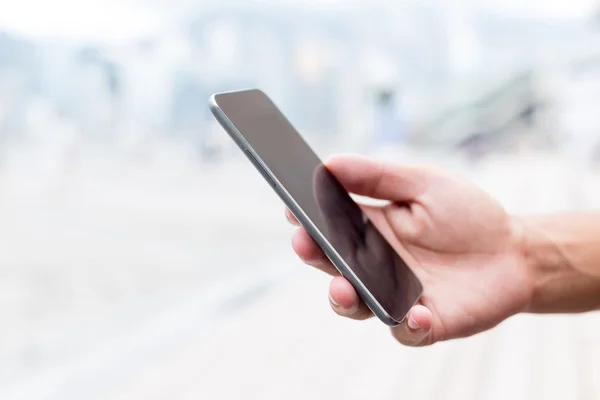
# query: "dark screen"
(323, 199)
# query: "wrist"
(549, 255)
(539, 257)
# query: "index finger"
(377, 179)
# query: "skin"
(478, 265)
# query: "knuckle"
(414, 229)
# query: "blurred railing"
(491, 113)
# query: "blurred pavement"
(184, 286)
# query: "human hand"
(461, 244)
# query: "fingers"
(306, 248)
(310, 252)
(290, 217)
(342, 297)
(345, 301)
(372, 178)
(416, 329)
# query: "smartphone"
(384, 282)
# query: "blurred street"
(166, 289)
(111, 256)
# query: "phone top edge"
(234, 91)
(213, 103)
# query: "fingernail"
(413, 324)
(333, 302)
(318, 263)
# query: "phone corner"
(212, 103)
(260, 91)
(384, 316)
(389, 321)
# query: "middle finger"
(309, 252)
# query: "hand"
(459, 241)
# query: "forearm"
(563, 257)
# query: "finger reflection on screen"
(364, 249)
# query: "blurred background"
(141, 257)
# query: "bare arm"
(563, 254)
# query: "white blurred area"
(141, 257)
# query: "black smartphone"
(317, 199)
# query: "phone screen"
(323, 199)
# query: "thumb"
(416, 328)
(381, 180)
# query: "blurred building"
(19, 79)
(322, 65)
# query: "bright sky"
(543, 8)
(123, 20)
(80, 20)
